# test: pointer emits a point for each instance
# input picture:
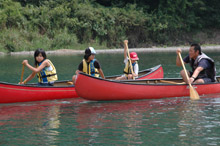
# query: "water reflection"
(189, 124)
(53, 123)
(198, 122)
(174, 121)
(122, 122)
(20, 121)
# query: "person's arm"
(77, 71)
(178, 62)
(203, 64)
(34, 70)
(101, 73)
(125, 49)
(30, 77)
(38, 69)
(196, 73)
(98, 66)
(80, 68)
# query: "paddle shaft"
(22, 73)
(171, 82)
(126, 45)
(193, 93)
(184, 68)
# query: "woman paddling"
(44, 68)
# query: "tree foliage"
(109, 22)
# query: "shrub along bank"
(75, 24)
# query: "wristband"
(193, 77)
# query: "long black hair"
(37, 52)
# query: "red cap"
(134, 56)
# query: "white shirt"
(135, 68)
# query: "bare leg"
(74, 79)
(199, 81)
(182, 73)
(130, 77)
(121, 78)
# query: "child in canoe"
(127, 70)
(89, 65)
(44, 68)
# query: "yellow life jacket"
(45, 75)
(90, 68)
(127, 69)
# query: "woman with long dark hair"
(44, 68)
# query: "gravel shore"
(153, 49)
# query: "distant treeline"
(61, 24)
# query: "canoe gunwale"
(132, 82)
(34, 85)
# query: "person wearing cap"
(127, 71)
(89, 65)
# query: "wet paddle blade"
(193, 94)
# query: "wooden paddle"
(171, 82)
(193, 93)
(126, 45)
(22, 74)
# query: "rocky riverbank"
(153, 49)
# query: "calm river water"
(173, 121)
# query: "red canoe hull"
(10, 93)
(156, 72)
(19, 93)
(99, 89)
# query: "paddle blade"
(193, 94)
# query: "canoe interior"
(56, 84)
(140, 73)
(70, 83)
(177, 81)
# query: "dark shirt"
(204, 63)
(96, 64)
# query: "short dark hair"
(37, 52)
(86, 56)
(197, 48)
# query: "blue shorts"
(206, 80)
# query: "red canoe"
(92, 88)
(151, 73)
(31, 92)
(10, 93)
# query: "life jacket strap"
(47, 75)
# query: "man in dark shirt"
(203, 67)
